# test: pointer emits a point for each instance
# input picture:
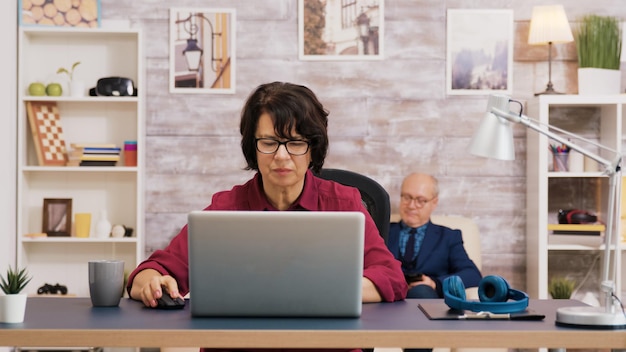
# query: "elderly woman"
(284, 138)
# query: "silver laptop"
(275, 263)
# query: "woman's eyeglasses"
(270, 146)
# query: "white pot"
(598, 81)
(12, 308)
(77, 89)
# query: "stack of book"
(87, 154)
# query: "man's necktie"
(409, 251)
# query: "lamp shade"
(494, 136)
(549, 24)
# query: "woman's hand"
(148, 286)
(369, 292)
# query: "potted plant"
(599, 47)
(77, 88)
(13, 303)
(561, 288)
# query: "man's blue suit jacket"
(441, 255)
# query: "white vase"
(103, 227)
(77, 89)
(12, 308)
(598, 81)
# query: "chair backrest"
(375, 198)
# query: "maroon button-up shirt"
(318, 194)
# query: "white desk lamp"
(494, 139)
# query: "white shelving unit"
(548, 191)
(86, 119)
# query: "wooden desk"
(53, 322)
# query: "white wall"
(8, 96)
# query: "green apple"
(37, 88)
(54, 90)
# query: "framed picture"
(480, 52)
(75, 13)
(202, 50)
(341, 30)
(57, 216)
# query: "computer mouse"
(167, 302)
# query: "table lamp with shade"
(494, 139)
(549, 25)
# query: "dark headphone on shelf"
(494, 294)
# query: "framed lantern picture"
(346, 30)
(480, 51)
(202, 50)
(57, 216)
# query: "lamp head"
(549, 24)
(494, 137)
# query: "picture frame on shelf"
(479, 51)
(202, 50)
(329, 31)
(57, 217)
(75, 13)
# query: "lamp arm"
(613, 170)
(608, 284)
(610, 166)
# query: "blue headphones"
(493, 292)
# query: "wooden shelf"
(576, 227)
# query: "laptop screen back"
(275, 263)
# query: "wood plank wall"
(388, 118)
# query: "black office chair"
(375, 198)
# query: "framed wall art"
(479, 52)
(57, 216)
(341, 30)
(63, 13)
(202, 50)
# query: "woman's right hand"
(149, 285)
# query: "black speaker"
(494, 294)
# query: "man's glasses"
(420, 201)
(270, 146)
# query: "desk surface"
(55, 322)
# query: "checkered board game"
(45, 125)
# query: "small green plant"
(15, 281)
(561, 287)
(70, 72)
(599, 42)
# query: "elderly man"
(429, 253)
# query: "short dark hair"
(289, 105)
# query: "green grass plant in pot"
(13, 302)
(599, 46)
(561, 288)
